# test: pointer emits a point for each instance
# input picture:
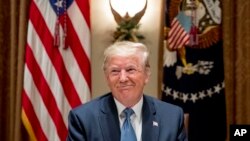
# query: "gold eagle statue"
(127, 26)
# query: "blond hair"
(127, 48)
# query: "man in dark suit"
(127, 70)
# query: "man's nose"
(123, 76)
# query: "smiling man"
(126, 114)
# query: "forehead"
(124, 60)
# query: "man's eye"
(114, 72)
(131, 70)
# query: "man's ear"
(106, 76)
(148, 74)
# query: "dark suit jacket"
(98, 120)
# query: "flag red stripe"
(54, 55)
(34, 122)
(181, 36)
(78, 51)
(172, 25)
(183, 40)
(84, 7)
(45, 93)
(174, 36)
(178, 38)
(175, 30)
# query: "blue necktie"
(127, 131)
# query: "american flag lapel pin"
(155, 123)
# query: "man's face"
(126, 78)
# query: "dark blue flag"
(193, 73)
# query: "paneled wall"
(103, 26)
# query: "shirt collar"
(137, 107)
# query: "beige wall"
(103, 25)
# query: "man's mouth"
(125, 87)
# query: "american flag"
(178, 35)
(56, 78)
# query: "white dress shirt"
(136, 118)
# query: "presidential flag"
(194, 75)
(57, 66)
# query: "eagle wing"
(117, 16)
(136, 19)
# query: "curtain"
(236, 34)
(13, 27)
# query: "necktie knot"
(128, 112)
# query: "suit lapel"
(108, 120)
(150, 127)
